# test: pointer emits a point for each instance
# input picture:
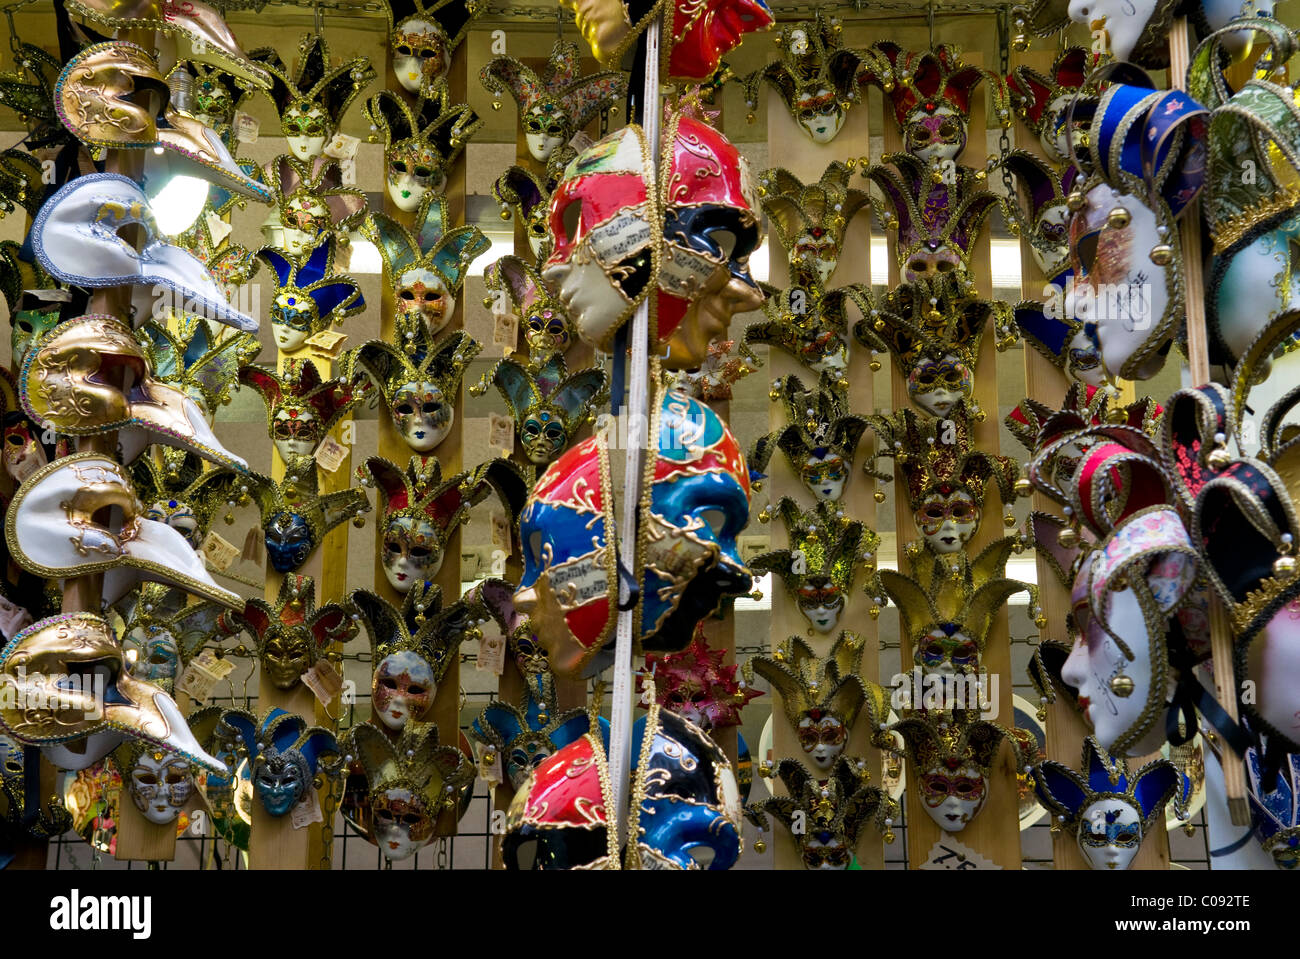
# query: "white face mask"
(936, 137)
(410, 178)
(303, 441)
(411, 553)
(422, 414)
(393, 837)
(1115, 829)
(823, 123)
(823, 618)
(421, 55)
(947, 522)
(952, 798)
(403, 689)
(308, 147)
(547, 136)
(587, 293)
(1260, 283)
(160, 787)
(836, 361)
(825, 477)
(1124, 22)
(831, 737)
(938, 387)
(1052, 138)
(1054, 217)
(422, 293)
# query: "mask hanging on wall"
(424, 37)
(546, 326)
(697, 686)
(189, 354)
(312, 202)
(283, 753)
(296, 516)
(821, 440)
(811, 220)
(301, 409)
(309, 295)
(420, 143)
(527, 198)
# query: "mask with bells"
(420, 382)
(822, 697)
(291, 634)
(215, 95)
(495, 599)
(836, 810)
(825, 553)
(1136, 31)
(933, 334)
(1070, 345)
(312, 201)
(296, 516)
(185, 352)
(816, 77)
(410, 783)
(312, 99)
(1108, 809)
(161, 634)
(175, 489)
(29, 91)
(686, 807)
(821, 440)
(952, 755)
(526, 197)
(545, 322)
(556, 104)
(283, 752)
(811, 220)
(34, 319)
(107, 706)
(808, 323)
(301, 409)
(527, 734)
(1047, 213)
(309, 295)
(420, 143)
(695, 685)
(1040, 101)
(424, 36)
(425, 266)
(723, 366)
(1274, 813)
(160, 782)
(547, 403)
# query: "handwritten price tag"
(327, 343)
(491, 655)
(501, 433)
(948, 853)
(203, 672)
(307, 811)
(500, 529)
(341, 147)
(323, 680)
(218, 551)
(330, 454)
(505, 332)
(246, 127)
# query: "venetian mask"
(414, 170)
(946, 651)
(419, 54)
(948, 521)
(1110, 834)
(1124, 22)
(281, 779)
(160, 783)
(295, 431)
(423, 297)
(825, 476)
(823, 738)
(937, 385)
(400, 822)
(403, 689)
(953, 795)
(821, 603)
(23, 454)
(179, 516)
(422, 414)
(293, 316)
(286, 655)
(412, 552)
(28, 327)
(289, 541)
(821, 114)
(306, 129)
(545, 129)
(817, 249)
(152, 654)
(936, 134)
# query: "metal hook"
(13, 34)
(929, 20)
(317, 15)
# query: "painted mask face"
(937, 385)
(1052, 249)
(825, 476)
(935, 135)
(293, 318)
(23, 455)
(423, 297)
(946, 651)
(543, 437)
(953, 796)
(823, 739)
(1259, 283)
(281, 780)
(816, 250)
(419, 54)
(827, 352)
(286, 655)
(1110, 834)
(28, 327)
(412, 552)
(545, 129)
(400, 823)
(295, 431)
(820, 113)
(161, 783)
(421, 414)
(948, 520)
(1083, 357)
(825, 851)
(546, 332)
(821, 603)
(306, 129)
(403, 689)
(1124, 22)
(213, 106)
(157, 659)
(526, 754)
(289, 541)
(1053, 137)
(932, 262)
(178, 515)
(413, 172)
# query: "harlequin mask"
(309, 295)
(411, 782)
(821, 696)
(821, 440)
(291, 634)
(420, 144)
(547, 405)
(545, 322)
(556, 104)
(74, 661)
(1274, 813)
(301, 408)
(284, 754)
(423, 38)
(695, 685)
(1109, 810)
(295, 516)
(811, 220)
(1041, 101)
(808, 323)
(311, 200)
(1135, 30)
(1048, 211)
(160, 782)
(525, 735)
(161, 634)
(835, 810)
(525, 196)
(425, 265)
(176, 490)
(75, 239)
(53, 517)
(312, 100)
(420, 382)
(31, 323)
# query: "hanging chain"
(1012, 204)
(335, 780)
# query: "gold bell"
(505, 214)
(1020, 42)
(496, 104)
(879, 326)
(1040, 621)
(1284, 567)
(1162, 254)
(1068, 538)
(760, 846)
(1122, 686)
(756, 486)
(1024, 487)
(1118, 218)
(1117, 416)
(1076, 201)
(750, 118)
(879, 495)
(1220, 458)
(1009, 519)
(874, 611)
(358, 521)
(874, 366)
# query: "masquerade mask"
(547, 405)
(545, 322)
(526, 735)
(76, 239)
(283, 753)
(821, 441)
(311, 200)
(301, 409)
(424, 37)
(295, 516)
(67, 681)
(811, 220)
(30, 324)
(90, 375)
(1045, 221)
(526, 197)
(1040, 101)
(1135, 31)
(312, 100)
(161, 634)
(411, 782)
(29, 91)
(176, 490)
(808, 323)
(309, 295)
(186, 354)
(160, 782)
(1107, 809)
(420, 144)
(695, 685)
(53, 518)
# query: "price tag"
(307, 811)
(246, 127)
(330, 454)
(505, 332)
(489, 764)
(491, 655)
(219, 552)
(341, 147)
(501, 433)
(500, 529)
(218, 228)
(203, 672)
(327, 343)
(948, 853)
(12, 618)
(581, 141)
(254, 546)
(323, 680)
(348, 174)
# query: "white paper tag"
(203, 672)
(348, 172)
(500, 529)
(505, 332)
(306, 811)
(26, 467)
(218, 551)
(330, 454)
(246, 127)
(341, 147)
(489, 769)
(218, 229)
(581, 141)
(323, 680)
(501, 433)
(491, 655)
(327, 343)
(948, 853)
(13, 618)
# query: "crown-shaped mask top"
(811, 219)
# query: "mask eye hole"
(535, 545)
(726, 241)
(702, 855)
(405, 409)
(571, 218)
(1087, 247)
(399, 166)
(716, 519)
